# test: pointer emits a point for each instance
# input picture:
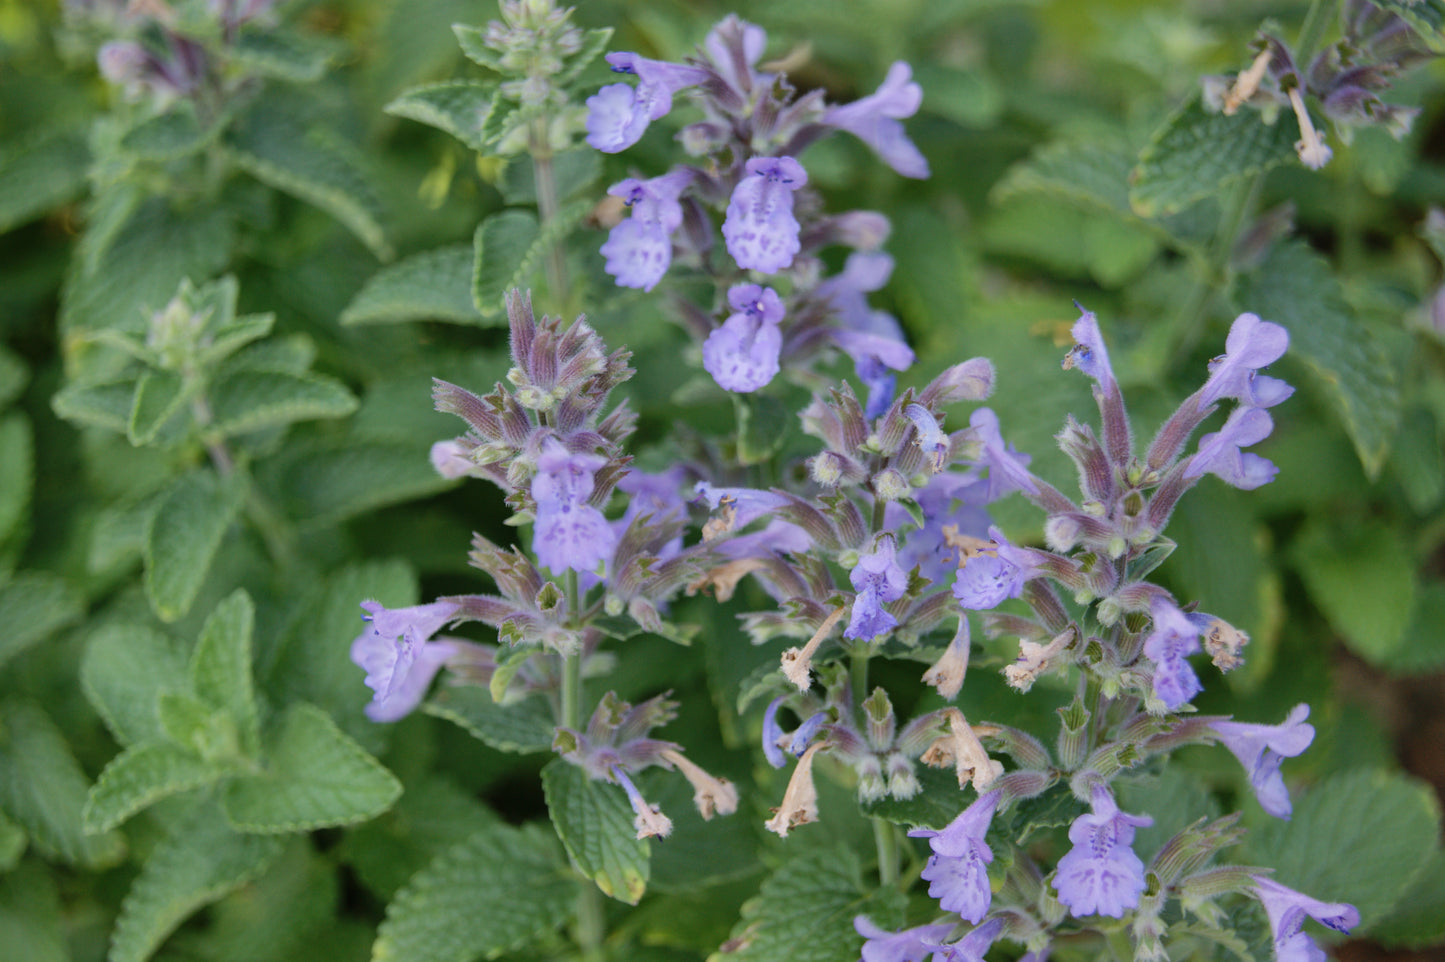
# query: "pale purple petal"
(1219, 453)
(572, 535)
(1089, 353)
(1174, 637)
(1252, 344)
(958, 868)
(909, 945)
(615, 119)
(1262, 748)
(760, 229)
(1101, 874)
(874, 120)
(742, 355)
(1287, 910)
(1007, 469)
(972, 946)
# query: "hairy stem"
(885, 836)
(572, 663)
(545, 181)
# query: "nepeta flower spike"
(742, 354)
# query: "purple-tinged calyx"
(930, 438)
(760, 229)
(875, 120)
(1101, 874)
(1262, 748)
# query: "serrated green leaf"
(32, 926)
(1416, 459)
(594, 822)
(804, 912)
(40, 175)
(220, 667)
(312, 165)
(763, 426)
(966, 95)
(1417, 920)
(593, 43)
(1362, 576)
(1359, 837)
(1174, 797)
(198, 728)
(140, 776)
(1091, 175)
(315, 777)
(184, 536)
(1427, 17)
(199, 862)
(1055, 808)
(325, 485)
(118, 536)
(123, 672)
(509, 247)
(108, 211)
(283, 54)
(513, 872)
(572, 171)
(272, 919)
(459, 107)
(105, 405)
(524, 727)
(34, 605)
(434, 285)
(1296, 288)
(230, 337)
(473, 41)
(43, 789)
(17, 473)
(247, 401)
(160, 396)
(1196, 154)
(937, 803)
(1423, 649)
(12, 843)
(172, 135)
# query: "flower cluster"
(779, 312)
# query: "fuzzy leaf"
(524, 727)
(220, 667)
(140, 776)
(1418, 918)
(40, 175)
(171, 136)
(572, 170)
(593, 43)
(249, 401)
(594, 821)
(513, 872)
(107, 404)
(1296, 288)
(1427, 17)
(33, 927)
(12, 844)
(459, 107)
(1362, 577)
(434, 285)
(17, 472)
(123, 672)
(315, 166)
(1197, 154)
(509, 247)
(473, 41)
(14, 376)
(183, 538)
(159, 397)
(33, 606)
(315, 777)
(43, 789)
(199, 862)
(1423, 649)
(299, 58)
(329, 484)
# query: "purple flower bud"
(958, 867)
(1007, 468)
(930, 439)
(1251, 345)
(909, 945)
(734, 46)
(1262, 748)
(1287, 909)
(1089, 354)
(773, 734)
(742, 354)
(397, 657)
(760, 229)
(875, 121)
(1101, 874)
(1219, 453)
(806, 732)
(639, 249)
(972, 946)
(877, 577)
(1175, 636)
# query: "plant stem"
(1311, 31)
(591, 923)
(545, 181)
(886, 838)
(572, 663)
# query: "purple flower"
(986, 579)
(806, 732)
(398, 655)
(1174, 638)
(958, 868)
(745, 504)
(639, 249)
(1219, 453)
(742, 354)
(930, 439)
(972, 946)
(773, 734)
(735, 44)
(846, 293)
(760, 229)
(1089, 354)
(618, 115)
(1251, 345)
(1007, 469)
(1101, 874)
(948, 500)
(877, 577)
(909, 945)
(569, 532)
(1262, 748)
(1287, 910)
(875, 120)
(873, 354)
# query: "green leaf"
(1362, 576)
(1423, 649)
(172, 135)
(434, 285)
(32, 924)
(14, 376)
(315, 777)
(1196, 154)
(12, 844)
(763, 426)
(40, 175)
(247, 401)
(509, 247)
(473, 41)
(936, 804)
(43, 789)
(326, 485)
(106, 405)
(1418, 918)
(184, 536)
(220, 667)
(283, 54)
(1416, 459)
(140, 776)
(1426, 17)
(524, 727)
(593, 43)
(1296, 288)
(33, 606)
(198, 728)
(199, 862)
(804, 911)
(594, 822)
(1360, 837)
(1056, 808)
(967, 96)
(459, 107)
(123, 672)
(572, 171)
(159, 397)
(511, 873)
(312, 165)
(271, 920)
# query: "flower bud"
(890, 485)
